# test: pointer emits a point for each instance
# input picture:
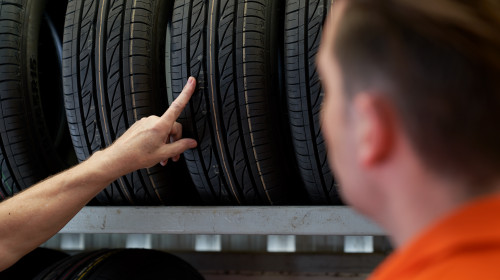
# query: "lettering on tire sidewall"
(36, 106)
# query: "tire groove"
(304, 25)
(216, 109)
(307, 73)
(240, 140)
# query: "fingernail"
(193, 143)
(190, 80)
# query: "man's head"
(411, 84)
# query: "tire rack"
(319, 234)
(298, 220)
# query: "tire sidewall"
(38, 131)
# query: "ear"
(374, 128)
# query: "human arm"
(33, 216)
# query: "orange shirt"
(464, 245)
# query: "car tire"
(123, 264)
(32, 264)
(303, 28)
(34, 137)
(114, 76)
(232, 48)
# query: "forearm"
(33, 216)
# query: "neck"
(418, 207)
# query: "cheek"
(339, 145)
(327, 126)
(331, 128)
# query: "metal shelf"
(289, 220)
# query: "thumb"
(178, 147)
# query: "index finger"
(175, 109)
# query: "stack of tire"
(106, 264)
(71, 83)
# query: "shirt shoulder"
(477, 263)
(464, 245)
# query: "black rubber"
(114, 75)
(121, 264)
(32, 264)
(33, 145)
(303, 26)
(68, 266)
(50, 79)
(232, 48)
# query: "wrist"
(106, 165)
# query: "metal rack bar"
(292, 220)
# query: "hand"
(153, 139)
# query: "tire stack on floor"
(32, 264)
(255, 113)
(106, 264)
(123, 264)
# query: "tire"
(232, 48)
(115, 75)
(34, 140)
(303, 27)
(121, 264)
(68, 265)
(32, 264)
